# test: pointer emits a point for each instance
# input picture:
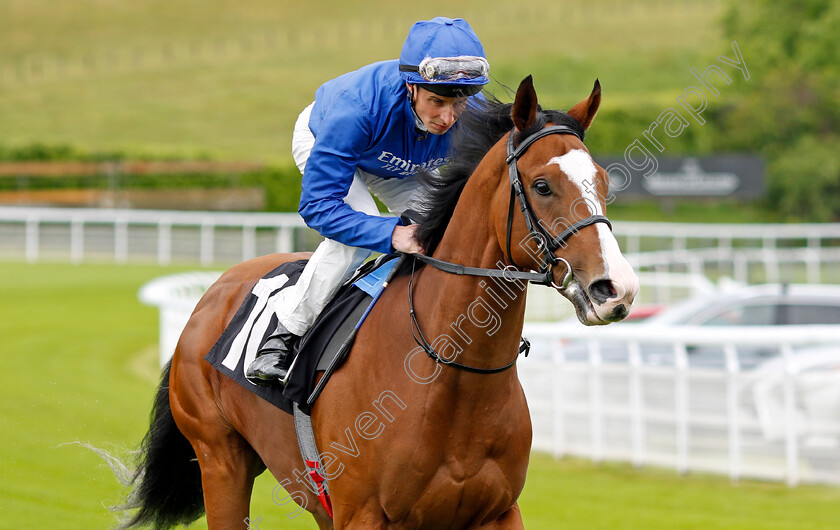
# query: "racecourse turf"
(80, 366)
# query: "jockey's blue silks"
(364, 120)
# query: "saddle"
(322, 349)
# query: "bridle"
(547, 244)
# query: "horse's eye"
(542, 187)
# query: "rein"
(510, 273)
(524, 346)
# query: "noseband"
(546, 243)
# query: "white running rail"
(164, 236)
(750, 253)
(675, 414)
(175, 296)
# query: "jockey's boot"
(274, 358)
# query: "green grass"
(576, 494)
(80, 365)
(228, 79)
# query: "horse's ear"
(524, 111)
(584, 112)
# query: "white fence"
(162, 236)
(725, 420)
(750, 253)
(175, 296)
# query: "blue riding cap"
(445, 56)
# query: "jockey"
(370, 131)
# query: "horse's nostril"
(619, 312)
(601, 291)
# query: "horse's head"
(561, 227)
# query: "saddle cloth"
(323, 348)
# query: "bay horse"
(408, 441)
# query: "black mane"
(479, 129)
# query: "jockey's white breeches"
(333, 263)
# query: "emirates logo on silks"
(407, 168)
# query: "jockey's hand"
(403, 239)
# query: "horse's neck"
(482, 316)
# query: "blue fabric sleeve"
(343, 135)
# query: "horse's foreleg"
(324, 521)
(510, 520)
(228, 469)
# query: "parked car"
(755, 305)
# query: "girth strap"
(311, 457)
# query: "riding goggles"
(449, 69)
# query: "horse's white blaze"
(618, 269)
(579, 167)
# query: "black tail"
(167, 483)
